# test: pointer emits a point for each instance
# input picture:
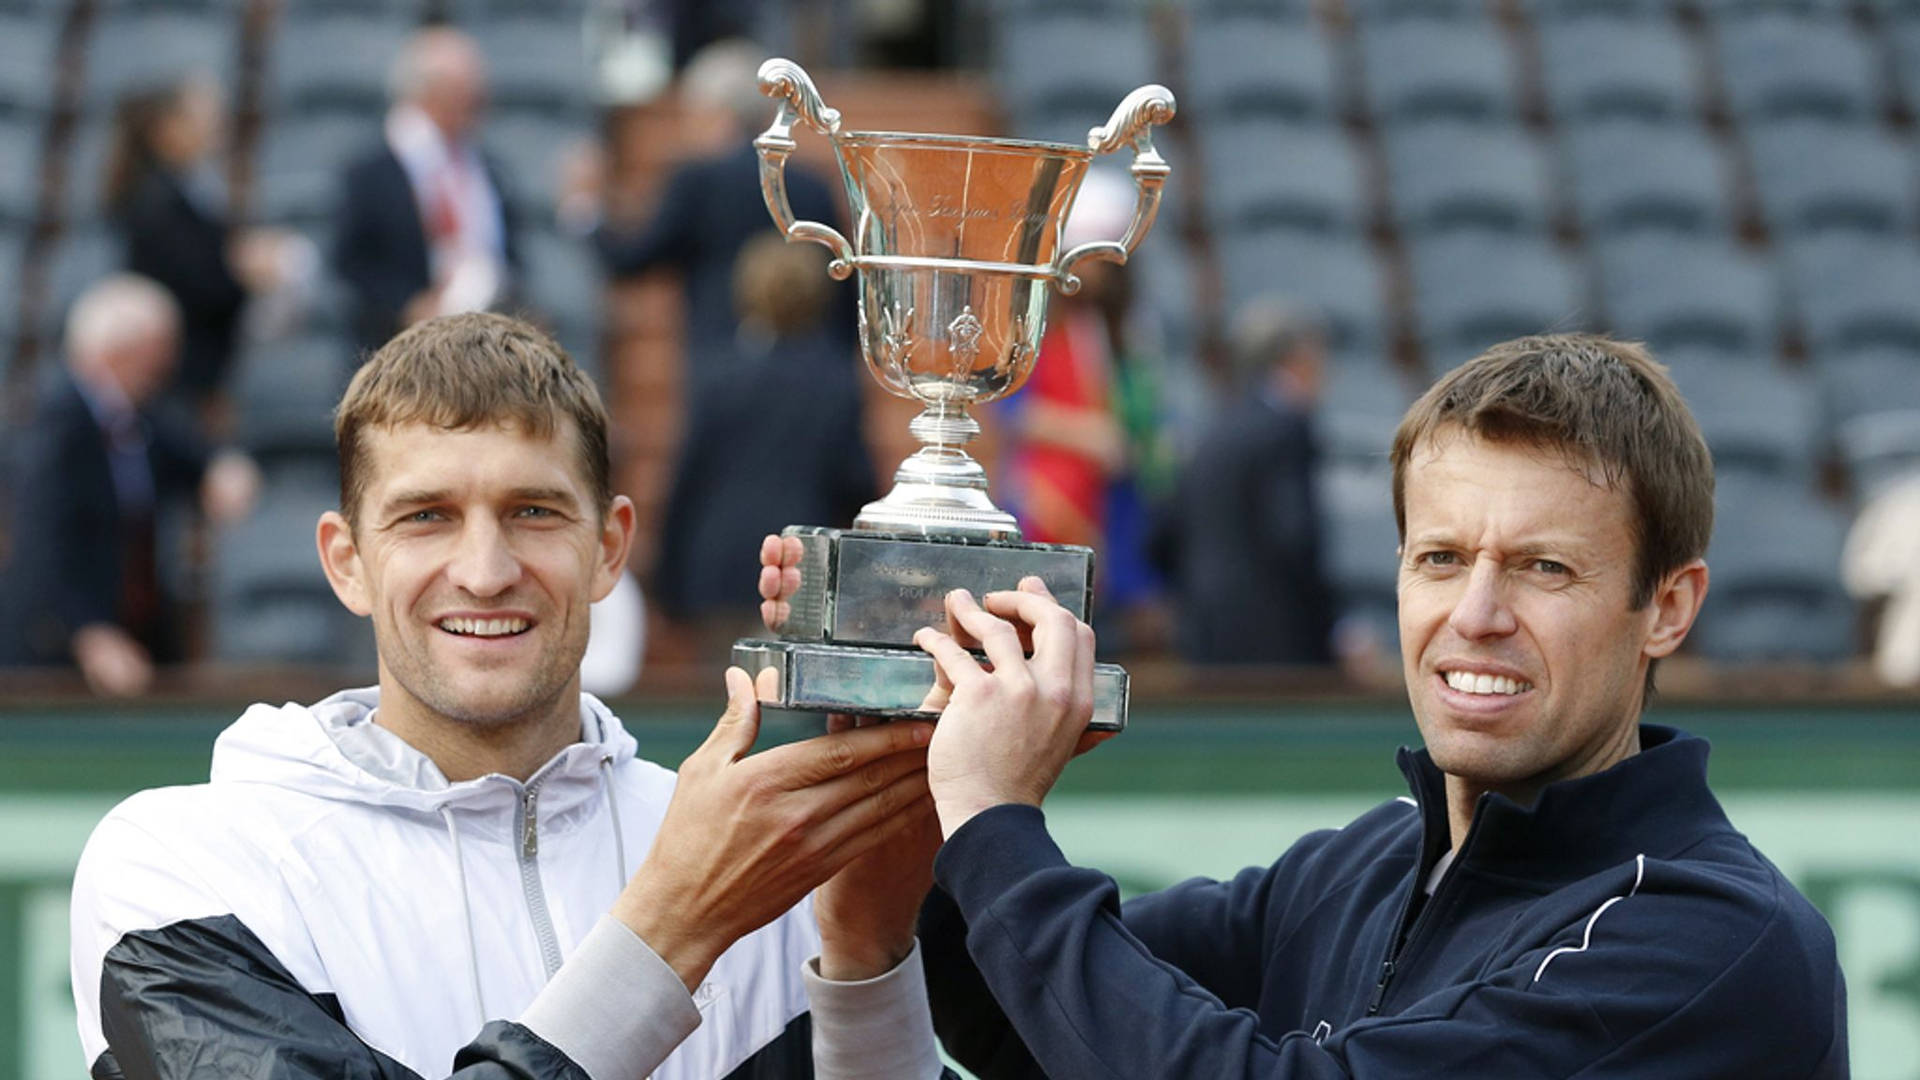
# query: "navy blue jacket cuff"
(994, 851)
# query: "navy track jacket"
(1619, 927)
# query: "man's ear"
(340, 558)
(1676, 603)
(616, 543)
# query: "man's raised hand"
(1009, 726)
(745, 837)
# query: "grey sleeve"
(614, 1007)
(876, 1029)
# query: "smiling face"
(477, 553)
(1524, 659)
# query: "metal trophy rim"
(949, 139)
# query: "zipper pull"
(530, 836)
(1380, 988)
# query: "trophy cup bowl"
(957, 243)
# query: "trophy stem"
(940, 490)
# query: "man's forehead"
(1576, 462)
(405, 451)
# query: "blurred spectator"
(424, 226)
(784, 447)
(165, 194)
(711, 208)
(1066, 446)
(82, 586)
(1242, 532)
(1882, 562)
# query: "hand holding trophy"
(957, 241)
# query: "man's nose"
(1482, 610)
(484, 563)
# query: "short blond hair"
(461, 372)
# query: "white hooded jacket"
(329, 885)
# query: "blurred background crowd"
(211, 209)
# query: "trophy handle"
(799, 102)
(1131, 122)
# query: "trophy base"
(859, 587)
(868, 681)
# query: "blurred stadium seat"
(271, 601)
(1241, 65)
(1341, 279)
(1599, 66)
(1444, 176)
(29, 58)
(136, 48)
(1778, 64)
(1266, 175)
(1854, 291)
(1759, 420)
(1686, 292)
(1872, 403)
(536, 62)
(1473, 290)
(1427, 67)
(1776, 590)
(19, 170)
(1814, 175)
(1626, 175)
(284, 393)
(1057, 66)
(320, 59)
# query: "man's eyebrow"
(544, 494)
(419, 497)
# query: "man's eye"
(421, 517)
(1548, 566)
(535, 512)
(1439, 558)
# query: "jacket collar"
(1654, 803)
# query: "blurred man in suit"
(424, 227)
(82, 585)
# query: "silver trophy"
(957, 240)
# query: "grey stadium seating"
(1626, 175)
(1281, 175)
(1418, 69)
(1451, 175)
(1813, 175)
(1602, 66)
(1685, 292)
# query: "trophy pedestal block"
(848, 647)
(860, 587)
(885, 682)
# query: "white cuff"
(876, 1029)
(614, 1007)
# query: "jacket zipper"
(1397, 947)
(549, 941)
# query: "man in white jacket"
(438, 875)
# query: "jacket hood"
(334, 750)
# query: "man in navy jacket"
(1561, 895)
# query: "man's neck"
(464, 751)
(1463, 793)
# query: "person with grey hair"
(423, 226)
(1241, 541)
(711, 209)
(80, 582)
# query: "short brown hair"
(1605, 404)
(461, 372)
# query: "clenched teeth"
(483, 627)
(1468, 683)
